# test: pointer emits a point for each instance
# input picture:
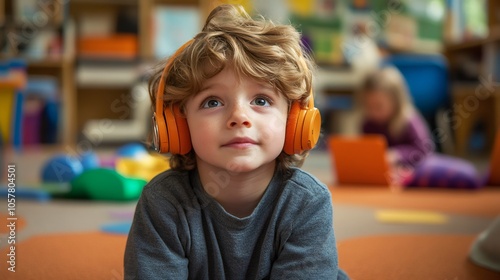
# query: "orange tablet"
(360, 160)
(494, 179)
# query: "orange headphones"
(171, 132)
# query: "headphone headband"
(310, 102)
(166, 69)
(171, 131)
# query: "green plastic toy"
(105, 184)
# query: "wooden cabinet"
(475, 74)
(36, 31)
(110, 98)
(82, 99)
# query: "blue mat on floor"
(117, 228)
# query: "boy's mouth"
(240, 142)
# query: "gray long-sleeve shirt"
(180, 232)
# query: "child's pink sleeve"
(415, 143)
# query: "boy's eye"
(261, 101)
(211, 103)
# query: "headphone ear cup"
(297, 145)
(172, 131)
(311, 129)
(183, 130)
(160, 134)
(291, 128)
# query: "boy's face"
(236, 124)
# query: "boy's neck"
(238, 193)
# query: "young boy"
(235, 205)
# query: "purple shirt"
(415, 148)
(412, 145)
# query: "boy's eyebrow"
(258, 85)
(209, 86)
(267, 86)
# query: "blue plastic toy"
(89, 160)
(133, 150)
(61, 169)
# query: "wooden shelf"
(78, 101)
(493, 37)
(473, 60)
(48, 62)
(52, 62)
(106, 2)
(178, 2)
(2, 12)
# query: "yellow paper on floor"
(410, 217)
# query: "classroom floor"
(62, 238)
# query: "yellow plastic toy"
(145, 167)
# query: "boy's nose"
(238, 118)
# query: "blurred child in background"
(387, 109)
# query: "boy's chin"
(242, 165)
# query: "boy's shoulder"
(305, 184)
(169, 177)
(302, 197)
(174, 186)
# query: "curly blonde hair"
(256, 48)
